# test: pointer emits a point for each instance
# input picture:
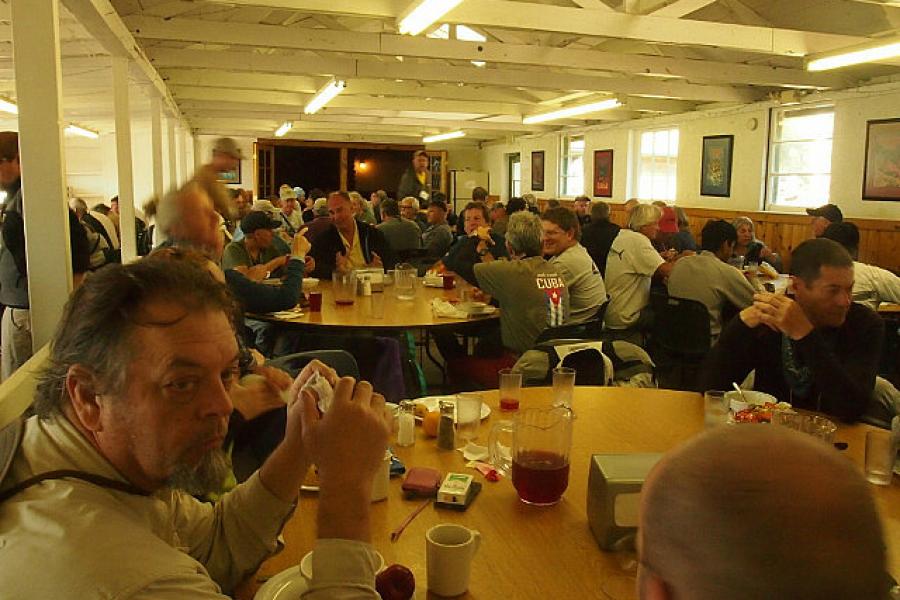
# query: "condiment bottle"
(446, 439)
(406, 434)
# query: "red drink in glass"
(540, 477)
(449, 281)
(315, 301)
(509, 404)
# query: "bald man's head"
(751, 512)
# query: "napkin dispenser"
(613, 496)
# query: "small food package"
(321, 389)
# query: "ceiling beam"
(349, 68)
(679, 8)
(572, 21)
(593, 5)
(325, 41)
(371, 87)
(102, 21)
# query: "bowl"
(750, 398)
(310, 283)
(473, 308)
(306, 565)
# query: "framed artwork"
(232, 176)
(881, 178)
(537, 171)
(715, 166)
(603, 173)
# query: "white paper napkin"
(444, 309)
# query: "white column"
(174, 182)
(123, 158)
(198, 154)
(35, 29)
(156, 143)
(183, 146)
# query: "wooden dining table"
(413, 314)
(548, 552)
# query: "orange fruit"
(430, 423)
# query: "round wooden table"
(398, 314)
(548, 552)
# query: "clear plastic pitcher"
(405, 282)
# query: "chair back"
(17, 392)
(680, 326)
(339, 360)
(592, 329)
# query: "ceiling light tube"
(81, 131)
(285, 127)
(324, 96)
(452, 135)
(571, 111)
(422, 13)
(870, 52)
(9, 107)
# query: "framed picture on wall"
(537, 171)
(715, 166)
(603, 173)
(232, 176)
(881, 178)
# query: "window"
(657, 165)
(571, 167)
(515, 175)
(800, 157)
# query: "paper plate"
(287, 585)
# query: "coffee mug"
(449, 550)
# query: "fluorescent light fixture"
(870, 52)
(478, 63)
(324, 96)
(81, 131)
(422, 13)
(285, 127)
(7, 106)
(571, 111)
(443, 136)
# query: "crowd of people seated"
(146, 387)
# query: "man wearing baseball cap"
(824, 216)
(226, 156)
(255, 252)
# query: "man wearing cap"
(16, 322)
(824, 216)
(415, 181)
(255, 251)
(289, 215)
(226, 157)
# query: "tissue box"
(614, 492)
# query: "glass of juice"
(510, 388)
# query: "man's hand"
(310, 264)
(300, 245)
(259, 392)
(782, 314)
(376, 260)
(256, 272)
(341, 263)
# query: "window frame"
(564, 155)
(775, 120)
(513, 158)
(671, 161)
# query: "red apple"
(395, 583)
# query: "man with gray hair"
(630, 266)
(131, 416)
(746, 513)
(530, 290)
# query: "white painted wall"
(852, 110)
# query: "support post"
(35, 30)
(156, 144)
(174, 182)
(123, 159)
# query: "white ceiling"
(242, 67)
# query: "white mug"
(449, 550)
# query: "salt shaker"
(446, 439)
(406, 435)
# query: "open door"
(264, 160)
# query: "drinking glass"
(563, 386)
(343, 286)
(880, 454)
(315, 301)
(405, 282)
(468, 416)
(510, 388)
(715, 408)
